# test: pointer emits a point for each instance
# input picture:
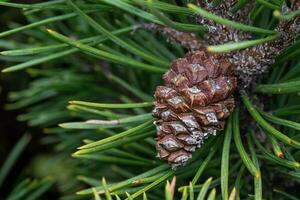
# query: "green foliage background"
(92, 60)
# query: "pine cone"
(193, 104)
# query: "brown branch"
(255, 60)
(188, 40)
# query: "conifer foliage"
(95, 73)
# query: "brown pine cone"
(193, 104)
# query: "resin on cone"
(193, 104)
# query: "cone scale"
(193, 104)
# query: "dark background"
(10, 129)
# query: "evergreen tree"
(94, 65)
